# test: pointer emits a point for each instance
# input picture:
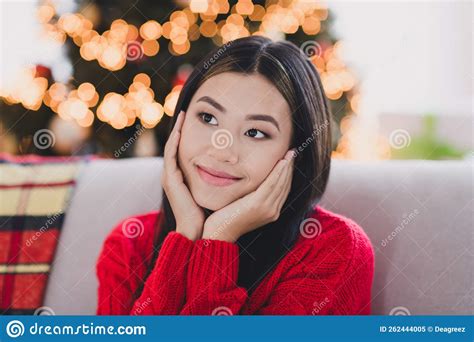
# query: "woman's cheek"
(258, 167)
(189, 138)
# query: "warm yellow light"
(223, 6)
(118, 24)
(87, 120)
(110, 106)
(150, 30)
(86, 91)
(244, 7)
(45, 13)
(311, 25)
(151, 113)
(63, 110)
(178, 35)
(32, 93)
(132, 33)
(166, 29)
(77, 109)
(355, 101)
(288, 23)
(58, 92)
(89, 50)
(112, 57)
(179, 18)
(119, 121)
(198, 6)
(93, 102)
(208, 29)
(70, 23)
(181, 49)
(143, 79)
(258, 13)
(235, 19)
(171, 100)
(193, 32)
(150, 47)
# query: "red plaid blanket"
(34, 195)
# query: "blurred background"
(103, 77)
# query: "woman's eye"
(207, 118)
(255, 133)
(211, 120)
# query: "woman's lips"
(215, 180)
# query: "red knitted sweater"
(329, 271)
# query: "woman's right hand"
(189, 216)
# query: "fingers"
(291, 165)
(275, 180)
(175, 132)
(171, 147)
(275, 174)
(179, 121)
(287, 187)
(281, 188)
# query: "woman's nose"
(223, 147)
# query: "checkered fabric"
(34, 196)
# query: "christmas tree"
(130, 61)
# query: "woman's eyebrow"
(213, 103)
(261, 117)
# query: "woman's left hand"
(255, 209)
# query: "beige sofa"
(418, 215)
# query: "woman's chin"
(213, 204)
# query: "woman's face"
(236, 129)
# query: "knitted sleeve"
(329, 274)
(212, 279)
(164, 290)
(310, 285)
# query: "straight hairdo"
(296, 78)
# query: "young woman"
(239, 230)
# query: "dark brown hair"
(293, 74)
